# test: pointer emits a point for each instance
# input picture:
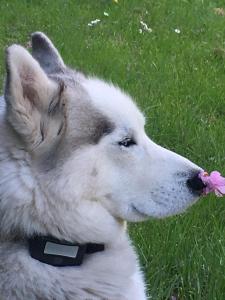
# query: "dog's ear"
(46, 54)
(35, 103)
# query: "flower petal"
(221, 189)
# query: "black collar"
(60, 253)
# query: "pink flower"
(213, 182)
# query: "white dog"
(75, 163)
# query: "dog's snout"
(195, 183)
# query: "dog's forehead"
(114, 103)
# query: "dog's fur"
(75, 163)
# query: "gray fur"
(46, 54)
(85, 126)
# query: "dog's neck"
(60, 253)
(39, 245)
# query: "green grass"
(179, 81)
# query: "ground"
(176, 72)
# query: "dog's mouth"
(139, 212)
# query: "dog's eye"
(127, 142)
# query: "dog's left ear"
(46, 54)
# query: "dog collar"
(60, 253)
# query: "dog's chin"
(135, 215)
(138, 213)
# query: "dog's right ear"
(35, 103)
(46, 54)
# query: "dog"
(75, 165)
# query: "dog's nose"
(196, 184)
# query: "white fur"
(86, 195)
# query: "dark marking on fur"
(62, 87)
(103, 127)
(94, 172)
(108, 196)
(53, 106)
(85, 124)
(58, 102)
(92, 293)
(60, 128)
(42, 131)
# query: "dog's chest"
(100, 278)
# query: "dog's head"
(76, 148)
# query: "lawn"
(176, 73)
